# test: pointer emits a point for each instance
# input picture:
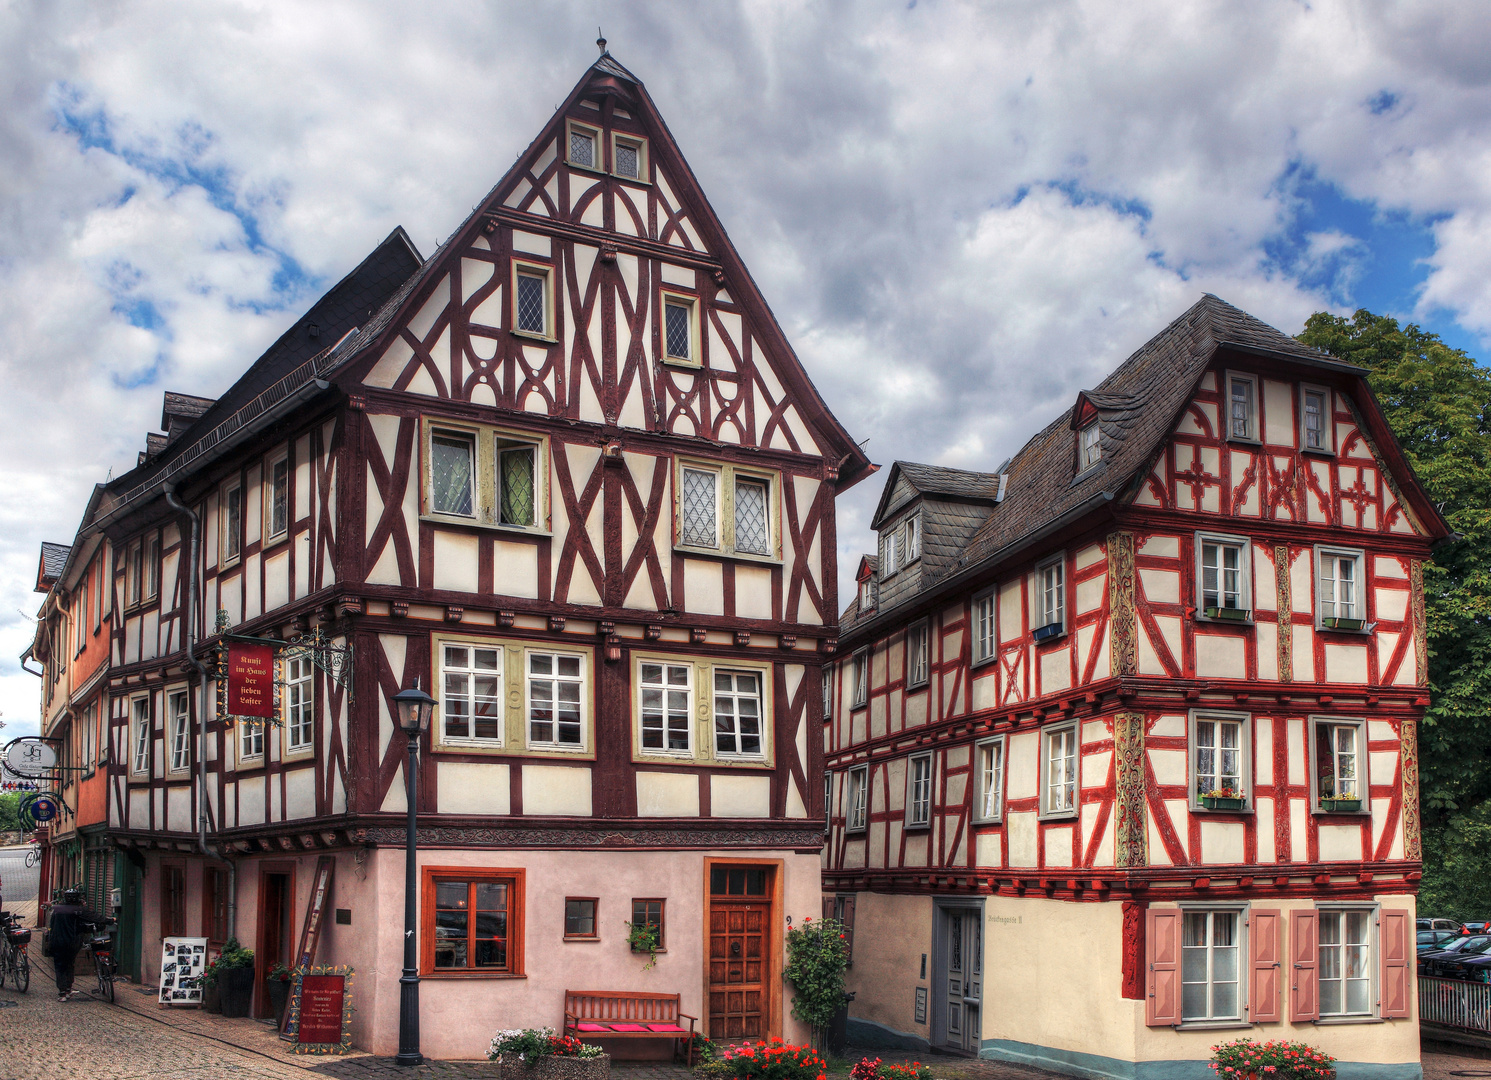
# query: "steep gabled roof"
(907, 479)
(1137, 407)
(49, 569)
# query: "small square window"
(579, 918)
(629, 157)
(650, 912)
(859, 794)
(680, 329)
(1089, 447)
(1339, 759)
(919, 791)
(989, 763)
(1242, 407)
(1340, 598)
(1059, 771)
(861, 677)
(583, 146)
(983, 627)
(1315, 419)
(1224, 588)
(916, 655)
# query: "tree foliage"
(817, 956)
(1437, 400)
(9, 805)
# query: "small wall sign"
(320, 1012)
(921, 1004)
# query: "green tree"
(1437, 400)
(9, 819)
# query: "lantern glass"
(415, 710)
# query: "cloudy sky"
(961, 213)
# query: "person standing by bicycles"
(67, 930)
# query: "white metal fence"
(1455, 1003)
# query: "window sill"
(1057, 815)
(858, 832)
(1333, 1021)
(531, 336)
(675, 362)
(586, 168)
(275, 540)
(468, 748)
(917, 826)
(1212, 1025)
(724, 553)
(920, 684)
(1246, 811)
(1364, 813)
(1217, 620)
(486, 526)
(1088, 473)
(291, 757)
(457, 975)
(581, 939)
(629, 179)
(1317, 451)
(1247, 440)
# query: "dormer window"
(1242, 407)
(584, 145)
(866, 594)
(913, 544)
(889, 555)
(900, 545)
(1089, 447)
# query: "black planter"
(235, 987)
(212, 1001)
(279, 997)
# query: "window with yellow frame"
(689, 708)
(513, 697)
(728, 509)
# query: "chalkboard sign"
(320, 1013)
(183, 959)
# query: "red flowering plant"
(769, 1060)
(1273, 1060)
(875, 1069)
(530, 1044)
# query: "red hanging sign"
(251, 680)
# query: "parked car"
(1477, 927)
(1439, 924)
(1431, 962)
(1474, 968)
(1433, 940)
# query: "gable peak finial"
(600, 40)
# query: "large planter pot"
(236, 988)
(279, 997)
(212, 1000)
(555, 1068)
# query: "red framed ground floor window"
(472, 922)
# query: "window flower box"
(1340, 806)
(1045, 633)
(1230, 614)
(1223, 802)
(1342, 624)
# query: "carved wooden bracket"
(556, 623)
(787, 641)
(827, 647)
(400, 608)
(696, 635)
(742, 638)
(605, 629)
(357, 403)
(652, 633)
(454, 613)
(348, 605)
(506, 618)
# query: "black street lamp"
(415, 709)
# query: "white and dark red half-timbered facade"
(568, 476)
(1121, 738)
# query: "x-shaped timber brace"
(334, 660)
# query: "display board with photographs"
(183, 959)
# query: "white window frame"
(249, 737)
(867, 594)
(597, 146)
(1359, 605)
(890, 555)
(1328, 429)
(857, 800)
(1049, 738)
(300, 706)
(686, 752)
(828, 691)
(230, 540)
(1089, 446)
(988, 793)
(726, 477)
(180, 729)
(1242, 972)
(637, 143)
(88, 741)
(470, 672)
(100, 583)
(271, 534)
(1373, 914)
(919, 791)
(763, 732)
(985, 615)
(918, 654)
(79, 615)
(133, 583)
(471, 439)
(1230, 378)
(1245, 570)
(1245, 755)
(1363, 778)
(583, 680)
(545, 272)
(1047, 616)
(690, 303)
(861, 678)
(141, 736)
(150, 566)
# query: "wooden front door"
(961, 974)
(740, 953)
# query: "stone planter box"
(553, 1068)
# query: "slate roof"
(941, 480)
(53, 559)
(1137, 407)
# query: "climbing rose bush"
(1273, 1060)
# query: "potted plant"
(278, 985)
(644, 938)
(1340, 804)
(235, 978)
(1223, 798)
(212, 1001)
(539, 1054)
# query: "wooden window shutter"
(1304, 996)
(1162, 944)
(828, 907)
(1265, 949)
(849, 926)
(1397, 982)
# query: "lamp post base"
(409, 1020)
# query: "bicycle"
(101, 948)
(33, 857)
(15, 959)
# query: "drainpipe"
(189, 639)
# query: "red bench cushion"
(671, 1029)
(592, 1027)
(627, 1027)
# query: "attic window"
(1242, 407)
(583, 141)
(1089, 446)
(629, 157)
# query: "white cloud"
(961, 212)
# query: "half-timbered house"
(1121, 739)
(567, 475)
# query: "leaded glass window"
(556, 682)
(582, 148)
(666, 710)
(677, 320)
(515, 468)
(451, 471)
(471, 702)
(532, 296)
(628, 160)
(752, 528)
(700, 508)
(737, 713)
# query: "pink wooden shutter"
(1304, 997)
(1162, 942)
(1265, 949)
(828, 907)
(1393, 939)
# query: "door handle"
(971, 1001)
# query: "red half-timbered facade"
(567, 475)
(1133, 717)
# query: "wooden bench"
(627, 1014)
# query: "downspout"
(188, 638)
